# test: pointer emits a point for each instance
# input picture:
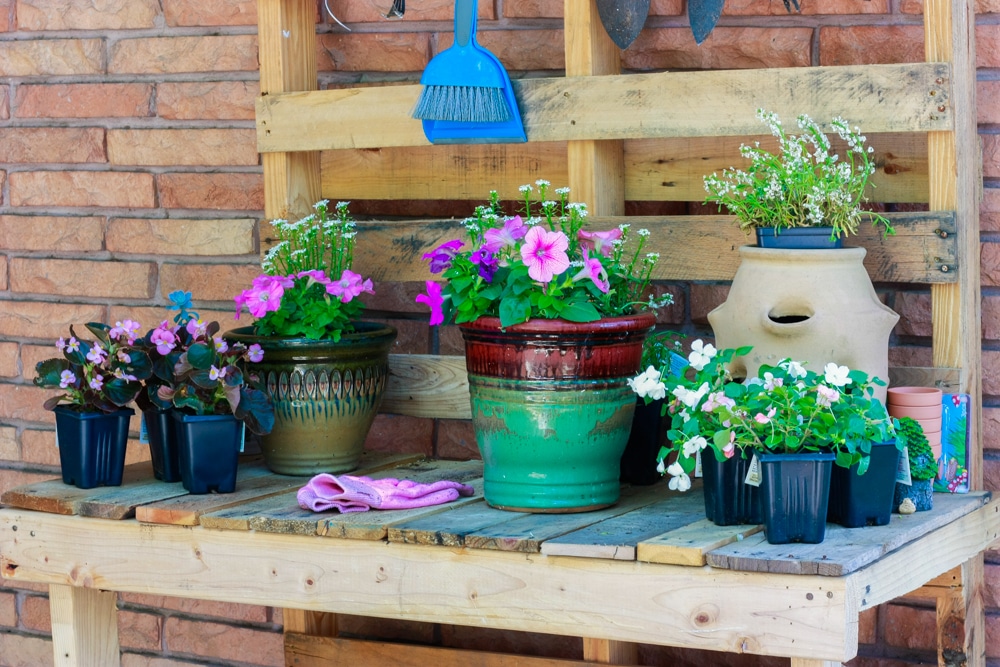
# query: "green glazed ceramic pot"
(552, 409)
(325, 396)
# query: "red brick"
(991, 475)
(674, 313)
(910, 356)
(135, 660)
(81, 188)
(39, 447)
(52, 57)
(989, 210)
(450, 340)
(413, 337)
(988, 102)
(25, 650)
(237, 192)
(375, 52)
(215, 640)
(988, 46)
(174, 55)
(401, 434)
(991, 372)
(397, 297)
(456, 439)
(150, 317)
(3, 272)
(222, 100)
(991, 155)
(989, 257)
(51, 144)
(240, 613)
(83, 100)
(231, 148)
(175, 236)
(140, 631)
(45, 232)
(86, 15)
(195, 13)
(704, 299)
(9, 449)
(991, 316)
(68, 277)
(207, 282)
(8, 610)
(45, 320)
(24, 401)
(992, 636)
(868, 626)
(777, 7)
(554, 8)
(987, 6)
(991, 591)
(426, 10)
(8, 359)
(860, 45)
(911, 6)
(725, 48)
(35, 613)
(4, 91)
(32, 354)
(909, 627)
(6, 14)
(914, 310)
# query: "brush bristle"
(463, 103)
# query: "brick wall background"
(128, 170)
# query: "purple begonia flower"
(593, 269)
(512, 231)
(66, 378)
(544, 253)
(602, 242)
(216, 373)
(124, 357)
(487, 262)
(349, 286)
(220, 345)
(129, 329)
(163, 338)
(199, 328)
(97, 383)
(97, 354)
(255, 353)
(61, 344)
(434, 301)
(73, 345)
(122, 375)
(441, 257)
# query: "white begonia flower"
(694, 445)
(794, 368)
(648, 383)
(836, 375)
(679, 480)
(691, 398)
(701, 354)
(825, 396)
(661, 466)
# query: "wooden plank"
(948, 380)
(845, 550)
(84, 626)
(427, 386)
(308, 651)
(690, 247)
(617, 537)
(55, 497)
(668, 169)
(448, 529)
(187, 510)
(690, 544)
(712, 609)
(895, 98)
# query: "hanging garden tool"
(623, 19)
(467, 96)
(704, 14)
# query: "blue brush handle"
(465, 21)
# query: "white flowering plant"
(784, 409)
(542, 265)
(805, 185)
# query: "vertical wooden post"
(804, 662)
(954, 160)
(84, 626)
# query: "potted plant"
(795, 421)
(553, 318)
(99, 378)
(214, 395)
(325, 370)
(923, 467)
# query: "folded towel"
(348, 493)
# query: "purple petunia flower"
(441, 257)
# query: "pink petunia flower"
(315, 275)
(544, 253)
(602, 242)
(593, 269)
(512, 231)
(263, 297)
(434, 301)
(349, 286)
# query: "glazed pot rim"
(371, 330)
(643, 320)
(804, 255)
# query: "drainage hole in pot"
(787, 319)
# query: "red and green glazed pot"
(552, 409)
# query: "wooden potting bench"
(611, 138)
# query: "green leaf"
(121, 392)
(580, 312)
(844, 459)
(201, 356)
(514, 310)
(255, 410)
(47, 372)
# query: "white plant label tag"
(754, 474)
(57, 435)
(697, 464)
(243, 436)
(903, 472)
(143, 430)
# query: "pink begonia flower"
(761, 418)
(255, 353)
(349, 286)
(128, 328)
(602, 242)
(826, 395)
(512, 231)
(263, 297)
(544, 253)
(73, 345)
(61, 344)
(97, 354)
(715, 400)
(97, 383)
(122, 375)
(220, 345)
(730, 447)
(440, 258)
(593, 269)
(434, 301)
(216, 373)
(164, 339)
(124, 357)
(66, 378)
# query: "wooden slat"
(689, 545)
(57, 498)
(895, 98)
(308, 651)
(668, 169)
(844, 550)
(427, 386)
(690, 247)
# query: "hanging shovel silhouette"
(623, 19)
(704, 14)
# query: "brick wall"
(128, 170)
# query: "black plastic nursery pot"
(92, 446)
(208, 448)
(865, 500)
(798, 238)
(794, 496)
(638, 462)
(728, 499)
(162, 444)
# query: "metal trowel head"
(623, 19)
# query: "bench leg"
(607, 652)
(84, 626)
(960, 621)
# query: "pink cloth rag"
(360, 494)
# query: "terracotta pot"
(914, 411)
(914, 396)
(814, 306)
(931, 425)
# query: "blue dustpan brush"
(467, 95)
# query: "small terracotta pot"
(913, 396)
(916, 411)
(930, 425)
